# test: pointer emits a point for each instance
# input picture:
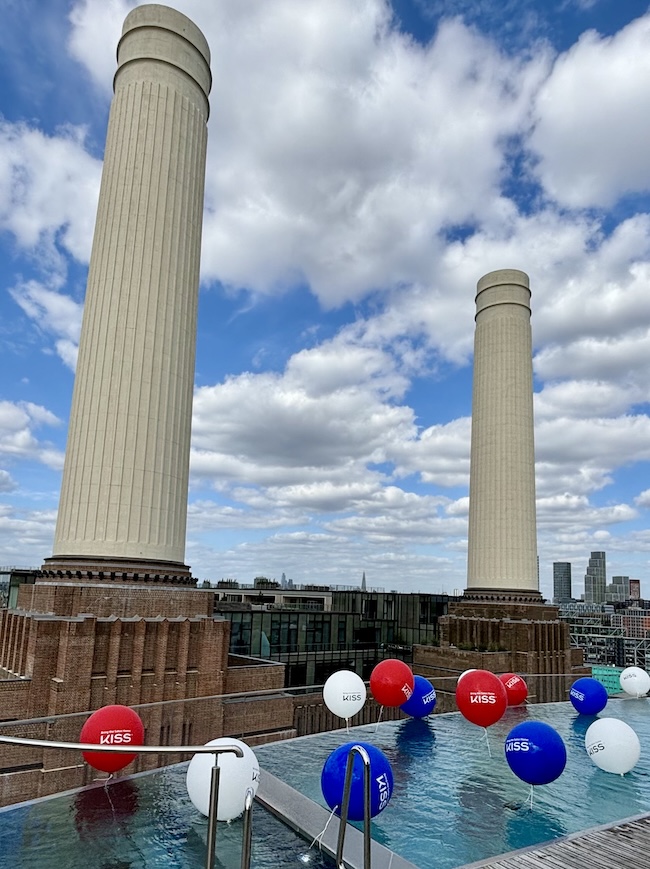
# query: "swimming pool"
(454, 804)
(144, 821)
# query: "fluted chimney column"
(123, 499)
(502, 541)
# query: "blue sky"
(368, 162)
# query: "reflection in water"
(481, 819)
(527, 827)
(415, 739)
(414, 746)
(604, 787)
(103, 819)
(98, 808)
(579, 726)
(515, 715)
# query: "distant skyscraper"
(363, 581)
(561, 581)
(502, 537)
(596, 578)
(618, 590)
(635, 589)
(123, 505)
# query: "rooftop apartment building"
(596, 578)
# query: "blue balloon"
(535, 752)
(332, 780)
(589, 696)
(422, 700)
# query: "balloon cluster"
(392, 683)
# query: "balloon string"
(124, 825)
(347, 725)
(487, 742)
(381, 710)
(319, 837)
(532, 788)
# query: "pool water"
(455, 801)
(142, 822)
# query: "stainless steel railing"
(363, 754)
(170, 749)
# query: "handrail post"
(212, 814)
(367, 841)
(247, 831)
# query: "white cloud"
(18, 422)
(592, 119)
(7, 484)
(54, 313)
(369, 144)
(95, 32)
(643, 499)
(586, 399)
(325, 418)
(22, 533)
(48, 191)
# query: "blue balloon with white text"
(423, 699)
(332, 780)
(588, 696)
(535, 752)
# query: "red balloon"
(481, 697)
(391, 682)
(516, 688)
(112, 725)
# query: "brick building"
(504, 636)
(70, 647)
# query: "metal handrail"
(169, 749)
(363, 754)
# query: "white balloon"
(612, 745)
(344, 693)
(635, 681)
(236, 776)
(465, 672)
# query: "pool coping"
(313, 822)
(547, 848)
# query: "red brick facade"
(154, 649)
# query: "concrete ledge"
(308, 819)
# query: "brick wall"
(119, 600)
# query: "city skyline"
(363, 172)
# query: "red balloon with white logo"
(391, 682)
(481, 697)
(516, 688)
(112, 725)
